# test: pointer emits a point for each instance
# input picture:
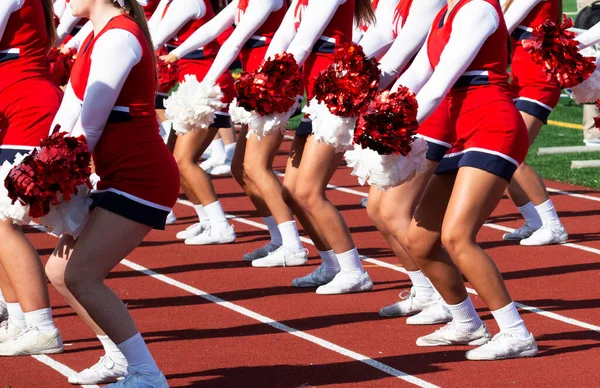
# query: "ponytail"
(218, 5)
(559, 17)
(49, 18)
(363, 12)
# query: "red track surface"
(198, 343)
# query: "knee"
(455, 240)
(255, 172)
(55, 272)
(416, 247)
(287, 192)
(306, 197)
(374, 211)
(79, 281)
(239, 173)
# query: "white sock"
(218, 149)
(510, 321)
(16, 315)
(216, 215)
(41, 319)
(423, 287)
(289, 235)
(230, 150)
(139, 359)
(548, 214)
(350, 261)
(273, 230)
(532, 218)
(330, 261)
(111, 350)
(202, 215)
(464, 316)
(1, 297)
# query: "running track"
(211, 320)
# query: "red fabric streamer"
(271, 89)
(167, 73)
(61, 64)
(62, 164)
(349, 83)
(553, 47)
(389, 123)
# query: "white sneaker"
(105, 371)
(171, 218)
(8, 330)
(222, 169)
(592, 142)
(261, 252)
(433, 314)
(282, 257)
(210, 235)
(345, 283)
(137, 381)
(3, 312)
(316, 278)
(193, 230)
(546, 235)
(363, 202)
(504, 345)
(32, 341)
(449, 335)
(211, 163)
(520, 234)
(409, 305)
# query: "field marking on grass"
(565, 124)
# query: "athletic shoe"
(3, 312)
(504, 345)
(316, 278)
(433, 314)
(211, 163)
(31, 341)
(137, 381)
(522, 233)
(347, 282)
(222, 169)
(171, 218)
(363, 202)
(193, 230)
(409, 305)
(546, 235)
(592, 142)
(261, 252)
(105, 371)
(210, 235)
(282, 257)
(449, 335)
(8, 330)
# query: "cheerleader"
(256, 22)
(69, 25)
(537, 97)
(110, 100)
(181, 19)
(310, 32)
(462, 68)
(28, 102)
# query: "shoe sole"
(211, 243)
(425, 323)
(279, 265)
(364, 288)
(510, 238)
(383, 314)
(477, 342)
(47, 351)
(563, 239)
(523, 354)
(96, 382)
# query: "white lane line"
(396, 268)
(280, 326)
(60, 368)
(582, 196)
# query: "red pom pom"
(167, 73)
(61, 64)
(389, 123)
(554, 48)
(273, 88)
(62, 164)
(349, 83)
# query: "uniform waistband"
(472, 78)
(9, 54)
(522, 32)
(196, 54)
(324, 45)
(256, 41)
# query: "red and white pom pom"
(193, 105)
(333, 130)
(60, 65)
(588, 90)
(166, 72)
(14, 210)
(258, 124)
(69, 217)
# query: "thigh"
(193, 144)
(293, 162)
(240, 147)
(260, 153)
(533, 124)
(319, 163)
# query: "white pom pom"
(260, 125)
(18, 212)
(69, 216)
(330, 129)
(588, 90)
(193, 105)
(387, 171)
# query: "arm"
(410, 39)
(68, 113)
(380, 35)
(473, 24)
(78, 39)
(317, 17)
(178, 14)
(67, 23)
(114, 55)
(59, 7)
(589, 37)
(285, 33)
(157, 15)
(7, 7)
(517, 12)
(357, 33)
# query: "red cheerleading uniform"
(28, 98)
(487, 129)
(537, 94)
(150, 8)
(253, 52)
(400, 15)
(139, 178)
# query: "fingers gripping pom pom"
(553, 47)
(60, 65)
(166, 72)
(193, 105)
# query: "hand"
(170, 58)
(64, 50)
